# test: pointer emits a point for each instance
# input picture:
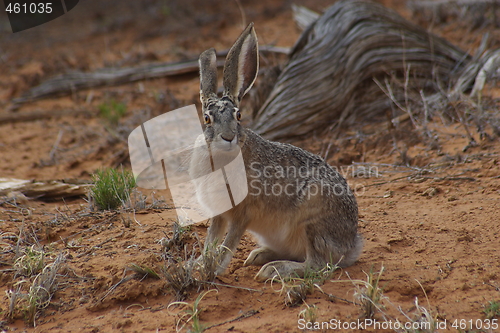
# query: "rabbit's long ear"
(208, 74)
(242, 64)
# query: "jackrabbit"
(300, 209)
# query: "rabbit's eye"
(207, 119)
(238, 115)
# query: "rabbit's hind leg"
(318, 249)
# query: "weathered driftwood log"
(330, 79)
(50, 189)
(35, 115)
(71, 82)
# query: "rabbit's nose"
(227, 137)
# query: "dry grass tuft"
(34, 294)
(144, 271)
(191, 314)
(295, 289)
(31, 262)
(369, 293)
(180, 277)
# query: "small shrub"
(112, 111)
(492, 310)
(31, 262)
(111, 188)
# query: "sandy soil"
(433, 225)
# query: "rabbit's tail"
(352, 254)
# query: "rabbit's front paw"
(260, 256)
(280, 269)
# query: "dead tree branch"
(330, 77)
(71, 82)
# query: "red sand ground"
(433, 226)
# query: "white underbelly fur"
(286, 239)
